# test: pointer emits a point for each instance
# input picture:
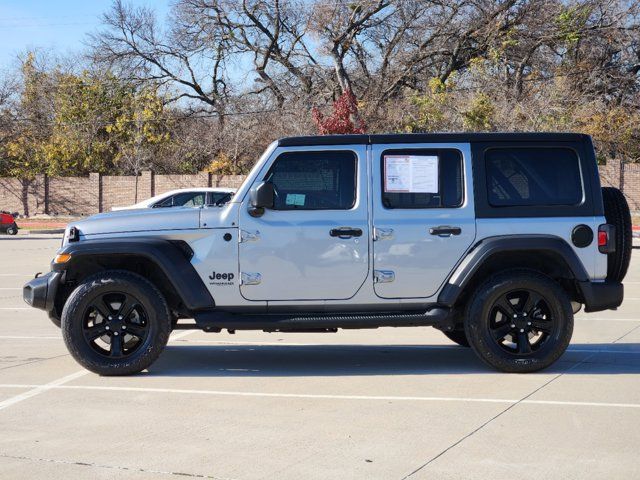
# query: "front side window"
(324, 180)
(422, 178)
(533, 177)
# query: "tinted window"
(187, 199)
(219, 198)
(448, 191)
(314, 180)
(190, 199)
(167, 202)
(533, 176)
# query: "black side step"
(216, 320)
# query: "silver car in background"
(185, 197)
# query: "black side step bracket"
(212, 320)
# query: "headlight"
(62, 258)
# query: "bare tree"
(138, 48)
(274, 34)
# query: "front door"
(423, 216)
(313, 243)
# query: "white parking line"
(10, 288)
(24, 337)
(38, 389)
(582, 319)
(323, 396)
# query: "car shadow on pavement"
(257, 360)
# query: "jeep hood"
(152, 220)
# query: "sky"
(61, 25)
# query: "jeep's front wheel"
(519, 321)
(116, 323)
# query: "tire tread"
(125, 366)
(475, 308)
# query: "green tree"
(24, 151)
(105, 125)
(480, 114)
(432, 107)
(72, 124)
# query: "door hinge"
(250, 278)
(383, 276)
(246, 236)
(382, 234)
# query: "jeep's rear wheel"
(116, 323)
(519, 321)
(616, 211)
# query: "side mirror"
(261, 196)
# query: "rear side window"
(533, 177)
(323, 180)
(422, 178)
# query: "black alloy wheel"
(115, 324)
(519, 321)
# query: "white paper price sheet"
(411, 173)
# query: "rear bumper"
(599, 296)
(41, 292)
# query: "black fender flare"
(172, 257)
(486, 248)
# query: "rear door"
(423, 216)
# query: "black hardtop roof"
(430, 138)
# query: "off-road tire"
(478, 317)
(616, 211)
(152, 300)
(458, 336)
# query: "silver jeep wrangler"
(495, 239)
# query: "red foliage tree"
(344, 119)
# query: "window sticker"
(411, 173)
(296, 199)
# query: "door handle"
(445, 231)
(345, 232)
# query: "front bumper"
(600, 296)
(41, 292)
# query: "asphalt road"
(379, 404)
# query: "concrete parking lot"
(378, 404)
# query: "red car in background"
(8, 223)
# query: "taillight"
(606, 238)
(603, 238)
